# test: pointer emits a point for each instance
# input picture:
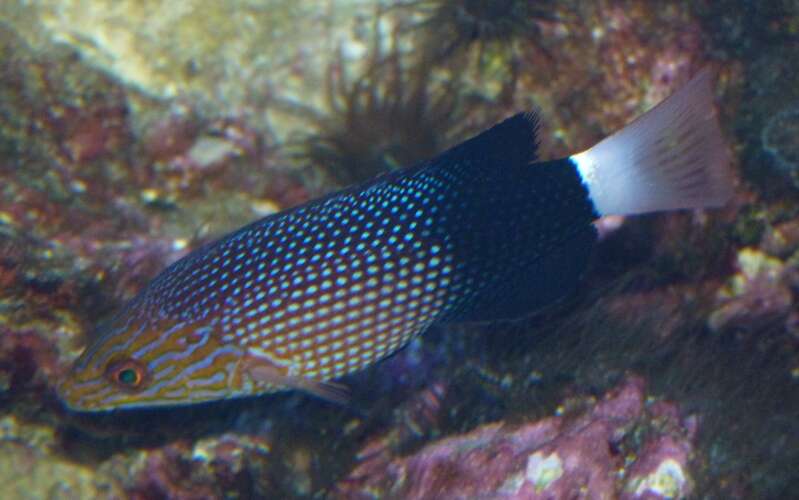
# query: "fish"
(485, 231)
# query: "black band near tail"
(521, 231)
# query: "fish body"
(481, 232)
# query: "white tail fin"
(670, 158)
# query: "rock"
(759, 295)
(598, 454)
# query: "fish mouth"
(66, 395)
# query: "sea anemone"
(394, 114)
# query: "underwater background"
(133, 131)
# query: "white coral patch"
(668, 481)
(543, 471)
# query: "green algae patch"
(28, 469)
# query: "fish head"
(151, 363)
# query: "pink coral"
(556, 457)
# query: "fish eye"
(128, 374)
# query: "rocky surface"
(618, 447)
(133, 132)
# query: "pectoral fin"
(264, 370)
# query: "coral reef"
(133, 132)
(758, 41)
(618, 447)
(218, 467)
(30, 469)
(757, 296)
(220, 53)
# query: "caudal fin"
(671, 157)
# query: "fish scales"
(308, 295)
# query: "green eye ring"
(127, 374)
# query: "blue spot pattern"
(335, 285)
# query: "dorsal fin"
(511, 142)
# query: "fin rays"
(671, 157)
